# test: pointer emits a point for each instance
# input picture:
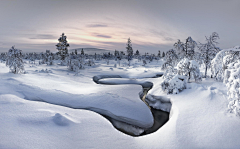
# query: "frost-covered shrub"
(76, 65)
(45, 71)
(47, 58)
(3, 56)
(144, 62)
(14, 60)
(90, 62)
(174, 85)
(189, 68)
(232, 81)
(170, 72)
(194, 71)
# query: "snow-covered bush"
(3, 56)
(47, 58)
(14, 60)
(194, 71)
(45, 71)
(170, 72)
(76, 65)
(90, 62)
(174, 85)
(189, 68)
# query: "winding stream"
(160, 117)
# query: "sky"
(152, 25)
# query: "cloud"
(97, 25)
(165, 36)
(103, 36)
(44, 36)
(72, 27)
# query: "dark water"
(160, 117)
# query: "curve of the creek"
(160, 117)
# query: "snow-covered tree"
(129, 51)
(180, 48)
(171, 58)
(116, 53)
(82, 52)
(220, 63)
(62, 47)
(3, 56)
(209, 50)
(186, 49)
(232, 81)
(159, 53)
(137, 53)
(163, 54)
(14, 60)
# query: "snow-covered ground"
(45, 109)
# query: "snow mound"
(61, 120)
(159, 102)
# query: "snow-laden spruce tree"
(209, 50)
(3, 56)
(82, 52)
(186, 49)
(159, 54)
(170, 59)
(62, 47)
(14, 60)
(129, 51)
(189, 68)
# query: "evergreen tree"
(163, 54)
(14, 60)
(82, 52)
(159, 53)
(62, 47)
(129, 51)
(137, 53)
(76, 52)
(116, 53)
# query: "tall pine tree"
(129, 51)
(62, 47)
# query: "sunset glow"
(107, 24)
